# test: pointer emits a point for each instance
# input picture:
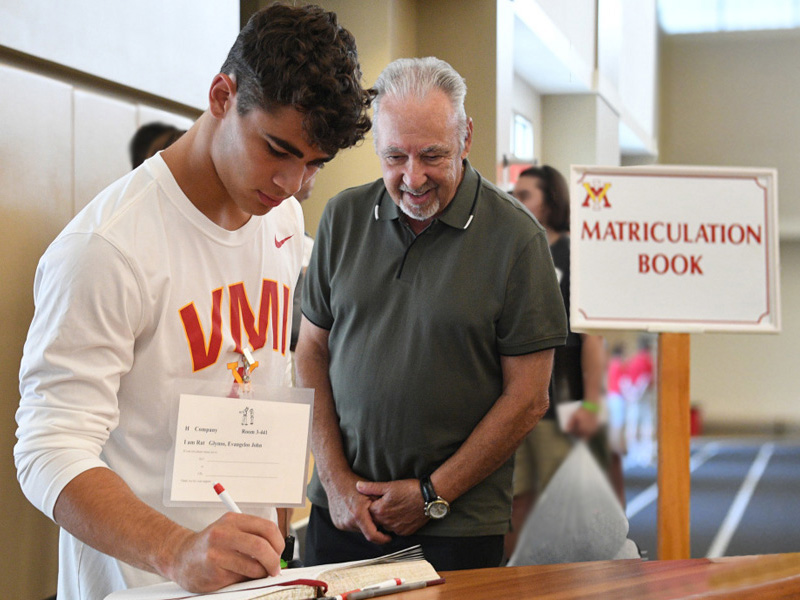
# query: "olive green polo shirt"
(417, 327)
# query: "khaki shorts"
(544, 449)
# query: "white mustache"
(419, 192)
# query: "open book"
(304, 583)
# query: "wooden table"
(760, 577)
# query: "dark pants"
(326, 544)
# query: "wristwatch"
(436, 507)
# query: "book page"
(407, 564)
(246, 590)
(300, 592)
(357, 577)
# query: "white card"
(564, 412)
(257, 449)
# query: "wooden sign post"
(663, 249)
(673, 433)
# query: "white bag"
(577, 518)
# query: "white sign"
(683, 249)
(257, 449)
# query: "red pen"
(376, 586)
(414, 585)
(226, 498)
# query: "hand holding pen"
(229, 550)
(288, 550)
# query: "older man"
(430, 310)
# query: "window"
(522, 137)
(699, 16)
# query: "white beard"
(418, 213)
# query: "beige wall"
(35, 127)
(63, 137)
(731, 99)
(143, 45)
(448, 29)
(384, 30)
(578, 129)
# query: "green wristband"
(592, 407)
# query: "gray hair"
(416, 78)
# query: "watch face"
(438, 509)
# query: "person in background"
(578, 366)
(129, 312)
(616, 373)
(149, 139)
(427, 341)
(637, 388)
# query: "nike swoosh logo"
(279, 243)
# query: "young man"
(430, 311)
(154, 290)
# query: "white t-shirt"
(139, 292)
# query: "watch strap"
(428, 493)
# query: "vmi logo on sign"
(596, 198)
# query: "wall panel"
(59, 146)
(103, 127)
(169, 49)
(147, 114)
(35, 203)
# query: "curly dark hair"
(301, 57)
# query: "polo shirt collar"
(458, 213)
